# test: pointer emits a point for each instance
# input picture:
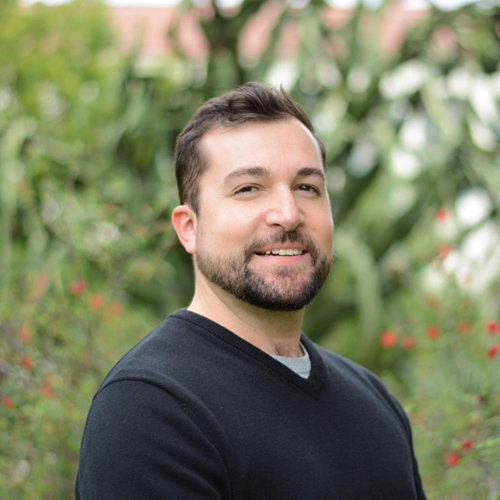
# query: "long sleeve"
(140, 442)
(405, 422)
(416, 474)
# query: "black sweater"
(195, 412)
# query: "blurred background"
(405, 94)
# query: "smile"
(282, 252)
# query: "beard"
(284, 292)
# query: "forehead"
(273, 145)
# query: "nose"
(284, 211)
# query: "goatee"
(284, 292)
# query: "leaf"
(357, 255)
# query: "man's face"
(264, 192)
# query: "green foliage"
(84, 234)
(89, 262)
(451, 379)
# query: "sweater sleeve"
(140, 442)
(405, 421)
(416, 474)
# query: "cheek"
(320, 218)
(238, 215)
(323, 232)
(228, 228)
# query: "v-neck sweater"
(300, 365)
(194, 412)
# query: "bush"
(89, 262)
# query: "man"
(227, 399)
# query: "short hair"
(250, 102)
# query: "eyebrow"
(308, 171)
(252, 171)
(265, 172)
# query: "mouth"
(282, 256)
(285, 252)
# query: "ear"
(184, 222)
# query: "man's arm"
(405, 421)
(140, 442)
(416, 473)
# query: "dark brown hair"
(251, 102)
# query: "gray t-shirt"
(301, 366)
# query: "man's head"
(256, 215)
(250, 103)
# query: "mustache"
(290, 237)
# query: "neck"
(274, 332)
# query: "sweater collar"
(312, 385)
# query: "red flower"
(408, 342)
(441, 214)
(434, 303)
(24, 333)
(388, 339)
(492, 327)
(77, 287)
(444, 250)
(26, 362)
(493, 351)
(115, 309)
(96, 301)
(7, 402)
(46, 388)
(463, 326)
(452, 459)
(467, 444)
(433, 332)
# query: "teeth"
(284, 252)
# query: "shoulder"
(348, 368)
(360, 379)
(135, 429)
(150, 391)
(162, 373)
(161, 358)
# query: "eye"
(246, 189)
(309, 189)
